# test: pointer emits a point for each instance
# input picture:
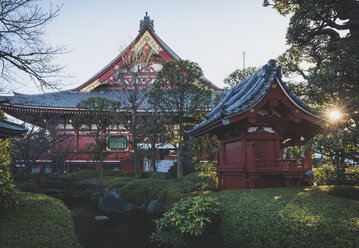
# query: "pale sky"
(212, 33)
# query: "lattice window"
(117, 143)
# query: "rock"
(129, 206)
(111, 203)
(151, 206)
(143, 207)
(161, 175)
(115, 192)
(101, 218)
(74, 212)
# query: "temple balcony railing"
(268, 164)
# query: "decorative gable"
(146, 40)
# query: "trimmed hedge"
(87, 174)
(137, 190)
(37, 221)
(288, 217)
(28, 187)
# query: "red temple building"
(255, 121)
(61, 106)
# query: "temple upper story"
(106, 82)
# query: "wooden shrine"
(255, 121)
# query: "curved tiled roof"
(9, 129)
(70, 99)
(249, 93)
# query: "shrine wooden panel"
(233, 154)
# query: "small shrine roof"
(9, 129)
(249, 93)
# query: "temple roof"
(146, 36)
(68, 99)
(248, 93)
(99, 85)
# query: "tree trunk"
(100, 169)
(153, 165)
(136, 161)
(134, 144)
(179, 161)
(153, 155)
(28, 168)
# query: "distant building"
(61, 106)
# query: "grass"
(289, 217)
(37, 221)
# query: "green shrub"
(287, 217)
(37, 221)
(205, 180)
(352, 175)
(326, 175)
(117, 182)
(28, 187)
(8, 193)
(138, 190)
(187, 219)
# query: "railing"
(278, 163)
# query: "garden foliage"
(327, 175)
(188, 218)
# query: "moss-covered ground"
(290, 217)
(37, 221)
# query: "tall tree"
(101, 116)
(180, 93)
(238, 76)
(324, 36)
(23, 51)
(134, 80)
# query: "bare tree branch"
(22, 48)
